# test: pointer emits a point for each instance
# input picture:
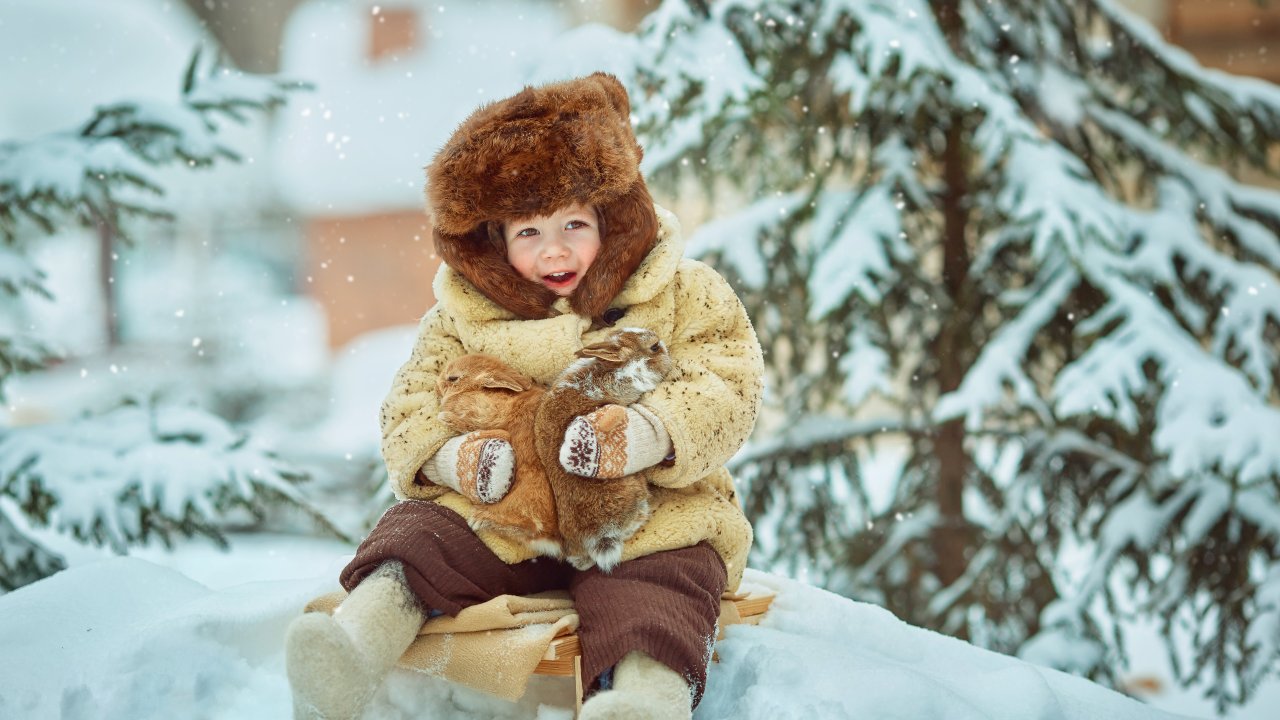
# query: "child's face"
(554, 250)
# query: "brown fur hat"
(535, 153)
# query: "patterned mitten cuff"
(613, 442)
(480, 465)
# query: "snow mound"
(819, 655)
(126, 638)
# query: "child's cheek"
(517, 261)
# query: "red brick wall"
(1239, 36)
(370, 271)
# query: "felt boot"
(643, 689)
(335, 663)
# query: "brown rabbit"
(597, 516)
(480, 392)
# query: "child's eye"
(527, 232)
(573, 224)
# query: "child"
(550, 239)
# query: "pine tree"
(129, 476)
(143, 473)
(996, 234)
(103, 176)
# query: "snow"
(586, 49)
(864, 230)
(359, 380)
(131, 639)
(1064, 644)
(682, 52)
(877, 666)
(1000, 363)
(1062, 96)
(735, 236)
(1222, 197)
(59, 166)
(359, 143)
(866, 368)
(65, 58)
(893, 31)
(97, 475)
(93, 53)
(17, 272)
(1210, 418)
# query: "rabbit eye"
(452, 378)
(655, 347)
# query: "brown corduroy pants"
(665, 605)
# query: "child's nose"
(555, 247)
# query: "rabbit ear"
(607, 351)
(498, 380)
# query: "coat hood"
(534, 153)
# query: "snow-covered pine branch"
(1004, 221)
(104, 171)
(139, 474)
(22, 560)
(107, 173)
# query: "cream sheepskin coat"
(708, 403)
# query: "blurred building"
(395, 77)
(392, 82)
(1238, 36)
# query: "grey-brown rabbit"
(596, 516)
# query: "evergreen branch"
(813, 432)
(138, 474)
(121, 143)
(22, 559)
(1213, 188)
(19, 354)
(1243, 113)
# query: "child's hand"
(614, 442)
(479, 464)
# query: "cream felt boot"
(643, 689)
(335, 663)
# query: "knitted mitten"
(643, 689)
(335, 663)
(479, 465)
(614, 442)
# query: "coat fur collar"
(465, 302)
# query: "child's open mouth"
(560, 279)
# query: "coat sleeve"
(710, 400)
(411, 433)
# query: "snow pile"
(129, 639)
(138, 474)
(818, 655)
